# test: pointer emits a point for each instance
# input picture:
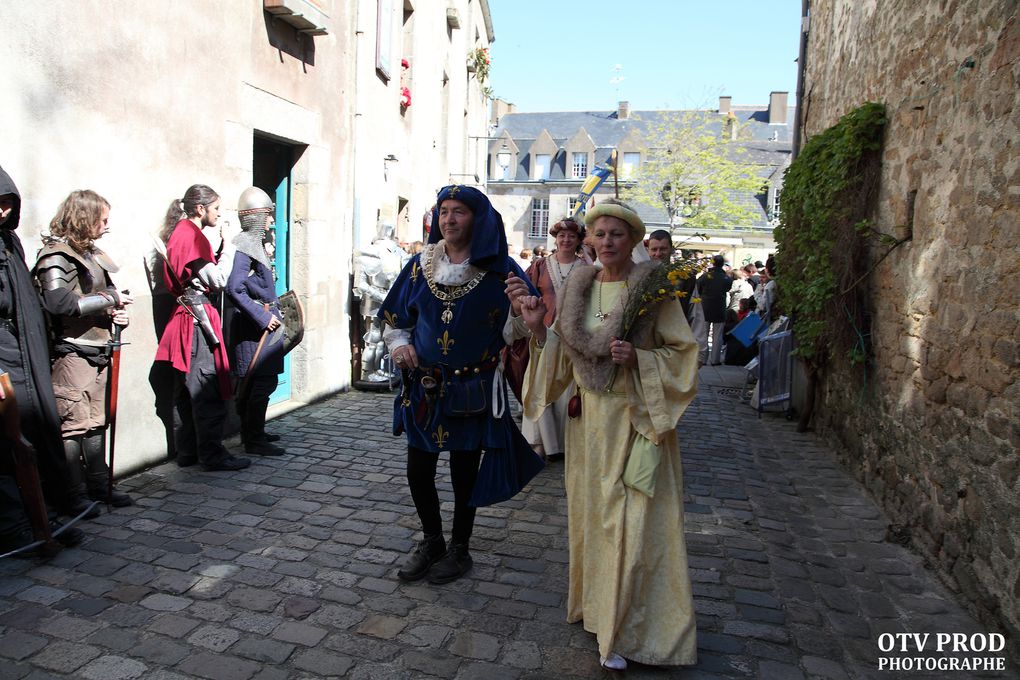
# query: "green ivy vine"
(828, 192)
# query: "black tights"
(421, 478)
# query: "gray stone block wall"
(932, 427)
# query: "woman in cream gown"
(629, 582)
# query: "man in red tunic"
(193, 339)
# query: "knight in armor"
(256, 332)
(193, 340)
(25, 358)
(73, 276)
(379, 265)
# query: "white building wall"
(140, 100)
(438, 139)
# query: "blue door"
(273, 162)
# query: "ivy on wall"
(828, 192)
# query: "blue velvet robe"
(474, 335)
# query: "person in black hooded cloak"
(25, 357)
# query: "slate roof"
(607, 131)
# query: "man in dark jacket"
(25, 357)
(713, 289)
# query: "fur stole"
(589, 350)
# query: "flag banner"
(599, 174)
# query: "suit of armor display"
(379, 265)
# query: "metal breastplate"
(90, 277)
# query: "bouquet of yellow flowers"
(665, 282)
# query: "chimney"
(724, 104)
(623, 112)
(777, 108)
(499, 108)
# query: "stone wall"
(932, 427)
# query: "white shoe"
(613, 662)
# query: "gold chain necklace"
(454, 293)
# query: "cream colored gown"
(628, 560)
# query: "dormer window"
(579, 165)
(631, 163)
(543, 166)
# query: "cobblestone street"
(287, 569)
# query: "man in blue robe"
(445, 315)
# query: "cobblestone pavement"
(287, 569)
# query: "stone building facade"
(537, 163)
(137, 101)
(933, 425)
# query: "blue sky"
(561, 55)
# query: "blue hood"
(488, 239)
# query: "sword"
(112, 388)
(242, 389)
(196, 310)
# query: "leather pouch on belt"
(467, 399)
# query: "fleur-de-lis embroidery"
(492, 317)
(405, 402)
(453, 191)
(391, 319)
(414, 272)
(440, 436)
(445, 342)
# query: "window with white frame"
(543, 165)
(774, 204)
(579, 165)
(572, 204)
(631, 163)
(539, 218)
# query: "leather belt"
(445, 372)
(197, 298)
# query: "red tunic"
(187, 244)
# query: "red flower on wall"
(405, 91)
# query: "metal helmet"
(254, 200)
